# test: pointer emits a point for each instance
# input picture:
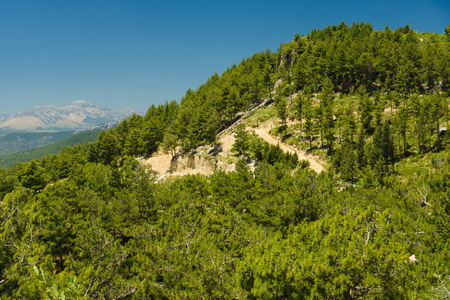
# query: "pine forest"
(371, 107)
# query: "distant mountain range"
(77, 115)
(19, 141)
(103, 126)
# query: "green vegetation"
(10, 160)
(90, 222)
(15, 142)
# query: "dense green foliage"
(102, 231)
(400, 60)
(91, 222)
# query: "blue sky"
(133, 54)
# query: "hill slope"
(15, 142)
(10, 160)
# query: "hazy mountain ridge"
(20, 141)
(7, 161)
(77, 115)
(99, 126)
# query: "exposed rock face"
(191, 163)
(196, 162)
(77, 115)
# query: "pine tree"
(266, 78)
(308, 113)
(361, 159)
(387, 145)
(33, 177)
(134, 144)
(350, 124)
(365, 108)
(378, 108)
(280, 104)
(438, 107)
(401, 122)
(108, 147)
(170, 142)
(348, 162)
(339, 115)
(299, 111)
(242, 143)
(326, 113)
(420, 114)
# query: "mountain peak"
(78, 114)
(81, 103)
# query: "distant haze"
(77, 115)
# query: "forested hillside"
(15, 142)
(92, 222)
(7, 161)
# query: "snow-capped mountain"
(77, 115)
(98, 126)
(3, 118)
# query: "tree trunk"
(61, 263)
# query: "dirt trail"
(263, 132)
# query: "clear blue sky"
(133, 54)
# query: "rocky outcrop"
(194, 163)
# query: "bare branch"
(424, 201)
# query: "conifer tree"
(348, 165)
(350, 123)
(339, 115)
(378, 107)
(153, 134)
(327, 98)
(108, 147)
(438, 107)
(134, 144)
(242, 143)
(361, 159)
(266, 78)
(365, 108)
(280, 104)
(299, 112)
(387, 145)
(308, 113)
(170, 142)
(33, 177)
(401, 122)
(420, 114)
